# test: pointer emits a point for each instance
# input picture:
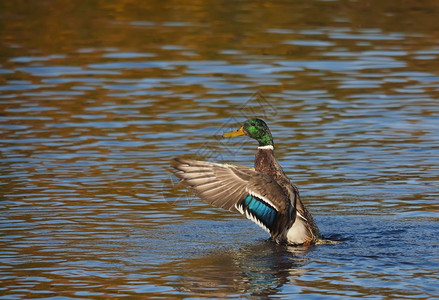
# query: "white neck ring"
(266, 147)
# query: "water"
(97, 98)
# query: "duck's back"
(302, 227)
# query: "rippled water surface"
(97, 97)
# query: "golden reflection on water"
(97, 97)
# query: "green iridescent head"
(256, 129)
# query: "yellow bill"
(237, 132)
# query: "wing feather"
(226, 186)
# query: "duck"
(262, 193)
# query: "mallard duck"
(263, 194)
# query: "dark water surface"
(97, 97)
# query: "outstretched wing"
(238, 188)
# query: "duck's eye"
(252, 124)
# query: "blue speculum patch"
(263, 211)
